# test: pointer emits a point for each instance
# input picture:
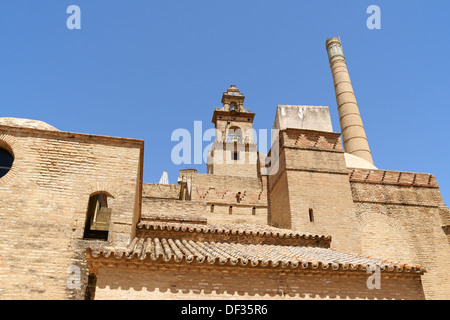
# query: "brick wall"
(43, 204)
(403, 222)
(447, 232)
(174, 208)
(221, 160)
(279, 214)
(161, 191)
(195, 282)
(312, 180)
(246, 196)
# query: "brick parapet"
(310, 139)
(59, 135)
(161, 191)
(398, 178)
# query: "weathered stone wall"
(198, 282)
(161, 191)
(303, 117)
(43, 205)
(400, 218)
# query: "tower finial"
(164, 178)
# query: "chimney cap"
(333, 39)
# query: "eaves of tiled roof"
(148, 251)
(243, 233)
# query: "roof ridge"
(254, 230)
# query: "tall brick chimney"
(352, 129)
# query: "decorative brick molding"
(310, 139)
(393, 178)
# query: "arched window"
(235, 134)
(233, 108)
(6, 161)
(98, 217)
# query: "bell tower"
(233, 152)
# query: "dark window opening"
(212, 208)
(234, 138)
(6, 161)
(235, 134)
(89, 294)
(98, 217)
(254, 211)
(230, 210)
(311, 215)
(235, 156)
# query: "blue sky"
(141, 69)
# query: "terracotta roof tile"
(234, 229)
(146, 250)
(174, 218)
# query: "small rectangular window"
(235, 156)
(311, 215)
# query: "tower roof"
(232, 90)
(233, 95)
(233, 107)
